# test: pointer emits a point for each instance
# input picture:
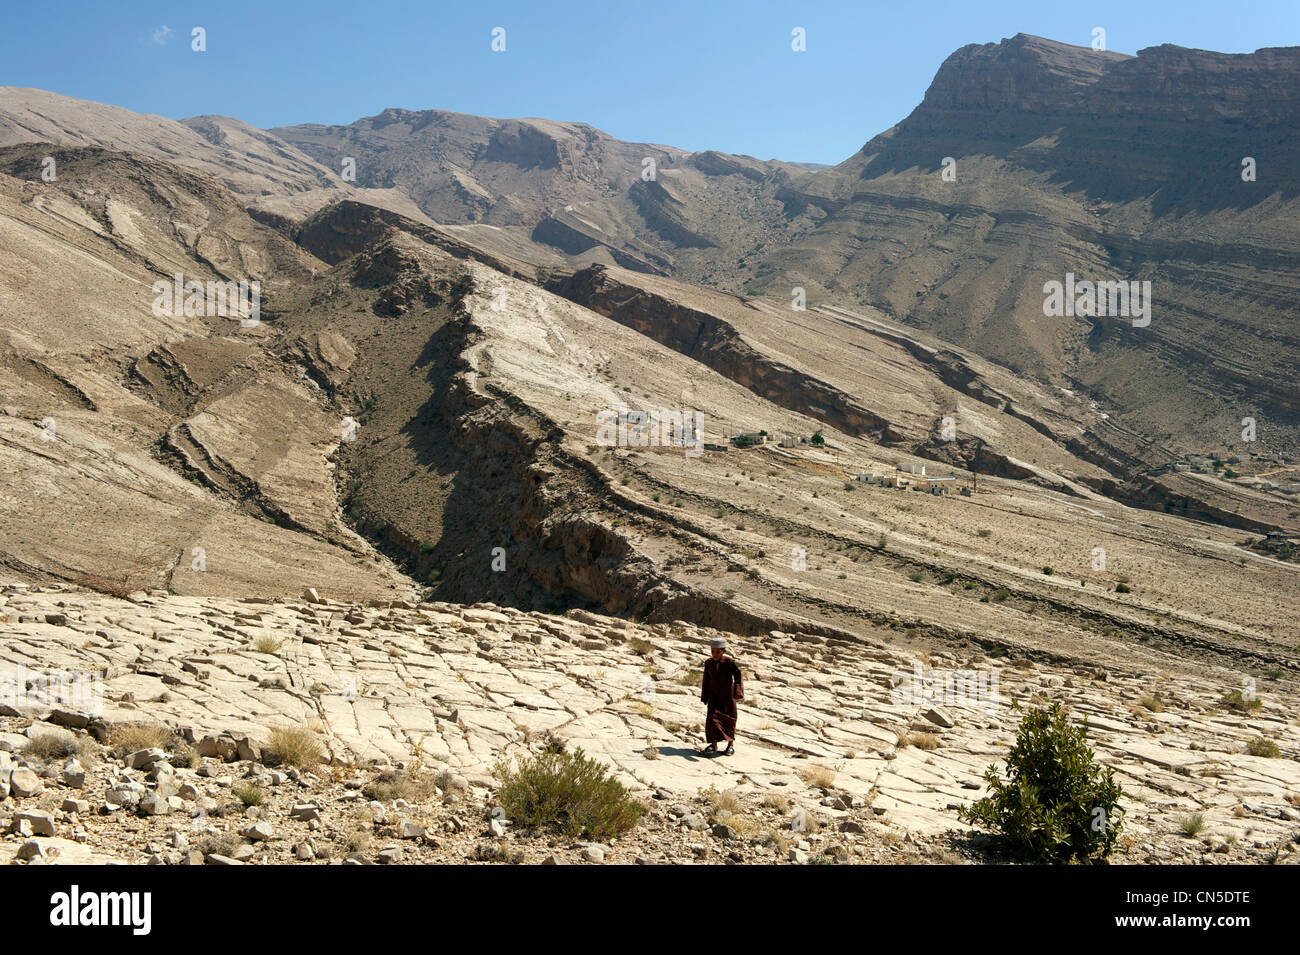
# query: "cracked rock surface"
(846, 751)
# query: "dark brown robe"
(721, 688)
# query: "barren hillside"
(513, 429)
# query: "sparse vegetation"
(266, 644)
(1237, 701)
(132, 737)
(248, 794)
(220, 844)
(1263, 746)
(722, 802)
(1191, 825)
(567, 791)
(1055, 794)
(640, 646)
(401, 784)
(50, 746)
(292, 746)
(775, 802)
(819, 777)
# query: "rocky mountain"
(246, 160)
(1112, 168)
(564, 191)
(1067, 160)
(448, 456)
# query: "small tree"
(1057, 804)
(817, 439)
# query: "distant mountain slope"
(1110, 167)
(250, 162)
(144, 448)
(1067, 160)
(244, 159)
(568, 188)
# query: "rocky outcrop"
(173, 750)
(666, 214)
(710, 340)
(713, 163)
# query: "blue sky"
(707, 74)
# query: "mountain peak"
(1025, 72)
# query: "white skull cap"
(718, 643)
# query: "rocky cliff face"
(1111, 167)
(1025, 74)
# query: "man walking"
(721, 689)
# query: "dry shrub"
(397, 784)
(1263, 746)
(248, 794)
(132, 737)
(1151, 702)
(822, 777)
(720, 802)
(221, 844)
(48, 746)
(776, 802)
(567, 791)
(292, 746)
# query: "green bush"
(568, 791)
(1236, 700)
(248, 794)
(1047, 809)
(1263, 746)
